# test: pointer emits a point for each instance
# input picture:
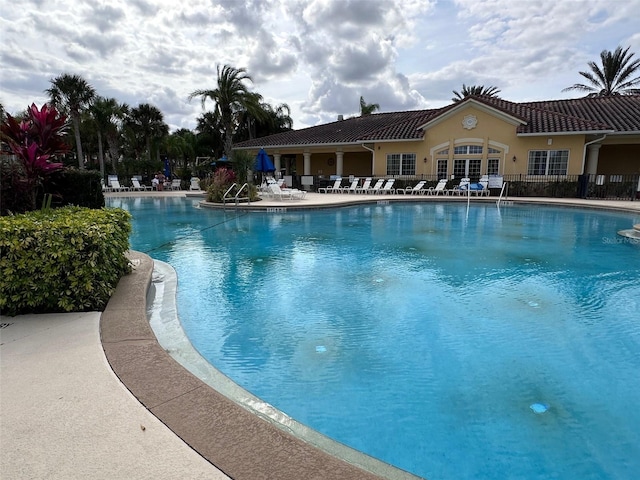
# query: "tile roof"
(621, 112)
(589, 114)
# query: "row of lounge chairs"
(383, 186)
(136, 186)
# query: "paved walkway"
(65, 414)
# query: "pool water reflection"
(422, 334)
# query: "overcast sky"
(317, 56)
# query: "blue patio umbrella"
(263, 162)
(167, 168)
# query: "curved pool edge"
(235, 440)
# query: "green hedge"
(64, 260)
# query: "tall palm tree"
(614, 78)
(367, 108)
(230, 96)
(106, 112)
(147, 122)
(475, 90)
(72, 95)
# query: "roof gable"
(480, 104)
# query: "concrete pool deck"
(91, 395)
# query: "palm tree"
(367, 108)
(72, 94)
(181, 145)
(230, 96)
(615, 76)
(148, 124)
(270, 120)
(105, 113)
(475, 90)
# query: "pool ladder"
(504, 191)
(236, 198)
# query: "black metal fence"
(606, 187)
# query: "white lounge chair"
(287, 193)
(195, 183)
(415, 190)
(334, 189)
(116, 187)
(388, 187)
(376, 188)
(351, 188)
(138, 187)
(439, 188)
(365, 186)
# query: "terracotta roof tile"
(589, 114)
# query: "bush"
(75, 187)
(64, 260)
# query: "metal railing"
(606, 187)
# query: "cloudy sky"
(317, 56)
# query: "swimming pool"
(422, 333)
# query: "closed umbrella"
(264, 163)
(167, 168)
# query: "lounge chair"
(175, 184)
(116, 187)
(365, 186)
(138, 187)
(415, 190)
(388, 187)
(439, 188)
(334, 189)
(477, 189)
(351, 188)
(195, 183)
(287, 193)
(376, 188)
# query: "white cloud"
(318, 56)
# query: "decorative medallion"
(469, 122)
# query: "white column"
(592, 158)
(276, 161)
(307, 163)
(339, 162)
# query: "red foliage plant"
(37, 139)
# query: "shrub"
(65, 260)
(220, 183)
(75, 187)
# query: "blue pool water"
(483, 343)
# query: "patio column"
(339, 162)
(307, 163)
(592, 158)
(276, 161)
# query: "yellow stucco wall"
(490, 131)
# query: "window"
(443, 152)
(493, 166)
(468, 150)
(548, 162)
(401, 164)
(442, 169)
(493, 150)
(469, 167)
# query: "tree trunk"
(100, 154)
(75, 118)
